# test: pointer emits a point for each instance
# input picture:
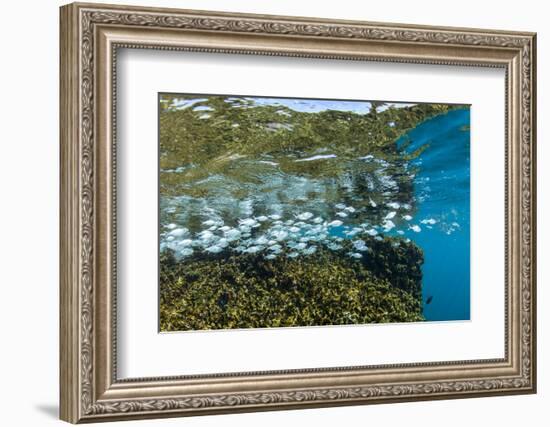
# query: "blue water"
(442, 188)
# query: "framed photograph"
(266, 212)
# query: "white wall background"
(29, 170)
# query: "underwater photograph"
(291, 212)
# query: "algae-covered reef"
(247, 291)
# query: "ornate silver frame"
(90, 36)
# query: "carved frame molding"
(90, 37)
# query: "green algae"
(228, 291)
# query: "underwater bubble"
(304, 216)
(335, 223)
(342, 214)
(407, 217)
(415, 228)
